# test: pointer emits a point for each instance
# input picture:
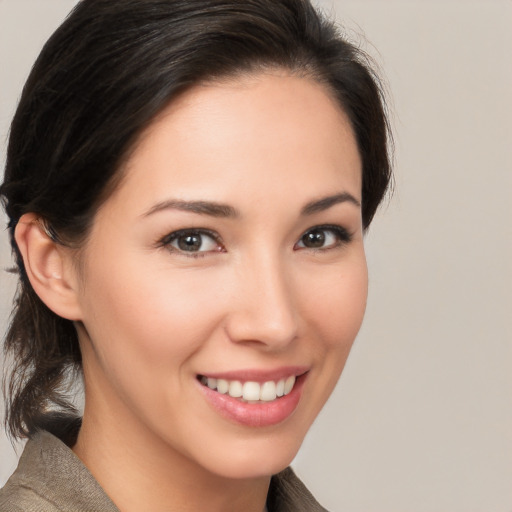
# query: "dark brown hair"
(97, 84)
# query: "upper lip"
(259, 375)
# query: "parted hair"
(98, 82)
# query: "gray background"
(422, 418)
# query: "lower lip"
(262, 414)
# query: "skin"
(151, 318)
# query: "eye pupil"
(190, 242)
(314, 238)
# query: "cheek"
(336, 303)
(157, 313)
(333, 307)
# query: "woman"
(187, 186)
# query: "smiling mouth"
(250, 391)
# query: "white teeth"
(288, 385)
(280, 388)
(222, 386)
(251, 392)
(235, 389)
(268, 391)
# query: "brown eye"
(314, 238)
(323, 237)
(192, 241)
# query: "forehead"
(237, 135)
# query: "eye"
(323, 237)
(193, 241)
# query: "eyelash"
(343, 237)
(175, 235)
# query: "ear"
(49, 267)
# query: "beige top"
(51, 478)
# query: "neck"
(140, 472)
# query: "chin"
(249, 458)
(252, 466)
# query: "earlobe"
(48, 267)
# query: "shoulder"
(51, 478)
(19, 493)
(287, 493)
(17, 497)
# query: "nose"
(262, 309)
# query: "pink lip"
(262, 414)
(260, 375)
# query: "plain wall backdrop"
(421, 420)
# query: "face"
(225, 280)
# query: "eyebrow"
(200, 207)
(214, 209)
(325, 203)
